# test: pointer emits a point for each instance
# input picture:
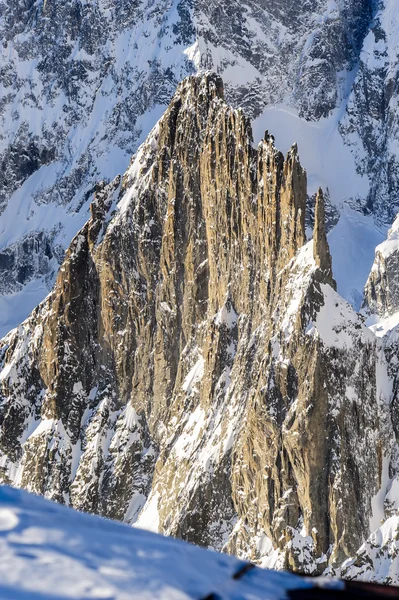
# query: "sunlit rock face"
(381, 294)
(193, 370)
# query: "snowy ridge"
(377, 559)
(391, 244)
(54, 552)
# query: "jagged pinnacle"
(321, 250)
(268, 137)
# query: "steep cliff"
(193, 370)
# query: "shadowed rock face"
(193, 370)
(381, 293)
(321, 251)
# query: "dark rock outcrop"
(321, 251)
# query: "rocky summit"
(193, 371)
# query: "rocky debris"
(193, 371)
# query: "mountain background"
(82, 84)
(194, 372)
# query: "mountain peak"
(179, 375)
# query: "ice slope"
(51, 552)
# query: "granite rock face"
(321, 251)
(193, 370)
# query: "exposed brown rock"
(381, 292)
(184, 358)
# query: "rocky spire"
(282, 203)
(321, 250)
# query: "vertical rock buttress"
(321, 250)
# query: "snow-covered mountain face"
(82, 84)
(194, 370)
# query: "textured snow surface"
(391, 244)
(51, 552)
(382, 326)
(337, 321)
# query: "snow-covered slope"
(82, 84)
(378, 558)
(189, 318)
(48, 551)
(352, 150)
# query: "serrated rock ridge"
(193, 371)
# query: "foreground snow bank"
(49, 551)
